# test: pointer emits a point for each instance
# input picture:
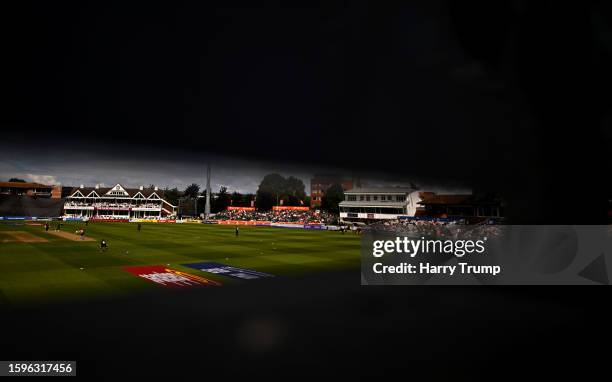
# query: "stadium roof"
(146, 192)
(23, 185)
(380, 190)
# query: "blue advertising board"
(314, 226)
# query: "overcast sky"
(293, 89)
(133, 167)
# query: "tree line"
(274, 189)
(191, 201)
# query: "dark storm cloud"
(356, 85)
(477, 93)
(135, 167)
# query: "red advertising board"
(290, 208)
(232, 208)
(169, 277)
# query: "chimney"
(156, 188)
(56, 192)
(141, 188)
(98, 186)
(82, 186)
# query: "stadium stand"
(117, 203)
(287, 216)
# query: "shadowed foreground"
(325, 325)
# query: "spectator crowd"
(284, 216)
(451, 229)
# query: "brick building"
(320, 183)
(30, 189)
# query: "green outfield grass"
(51, 271)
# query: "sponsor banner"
(269, 224)
(226, 270)
(110, 220)
(146, 220)
(287, 225)
(16, 218)
(232, 208)
(169, 277)
(315, 226)
(189, 221)
(238, 222)
(362, 215)
(73, 219)
(290, 208)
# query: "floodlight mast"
(207, 206)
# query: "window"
(352, 198)
(367, 198)
(361, 197)
(382, 198)
(375, 197)
(399, 198)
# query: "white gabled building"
(379, 203)
(117, 202)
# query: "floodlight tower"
(207, 206)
